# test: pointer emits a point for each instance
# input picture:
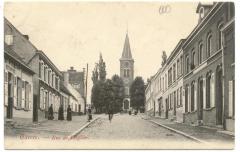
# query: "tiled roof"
(15, 56)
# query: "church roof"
(126, 54)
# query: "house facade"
(196, 84)
(46, 80)
(18, 86)
(203, 67)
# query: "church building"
(127, 72)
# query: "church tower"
(127, 71)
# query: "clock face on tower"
(126, 81)
(126, 64)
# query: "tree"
(95, 74)
(118, 89)
(102, 69)
(164, 58)
(98, 92)
(137, 93)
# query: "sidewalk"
(201, 133)
(46, 128)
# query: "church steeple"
(127, 72)
(126, 54)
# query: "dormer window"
(201, 12)
(9, 39)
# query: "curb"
(179, 132)
(81, 129)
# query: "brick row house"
(43, 81)
(202, 93)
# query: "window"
(56, 83)
(6, 77)
(53, 79)
(181, 65)
(49, 77)
(209, 44)
(181, 96)
(27, 95)
(178, 103)
(220, 25)
(170, 77)
(163, 83)
(174, 72)
(178, 70)
(186, 99)
(200, 53)
(9, 39)
(193, 59)
(187, 64)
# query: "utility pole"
(86, 90)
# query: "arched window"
(209, 44)
(200, 53)
(193, 59)
(187, 64)
(220, 25)
(178, 68)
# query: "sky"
(74, 33)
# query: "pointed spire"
(126, 54)
(100, 57)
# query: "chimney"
(26, 37)
(65, 78)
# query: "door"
(35, 108)
(219, 101)
(10, 96)
(166, 108)
(174, 104)
(160, 107)
(126, 104)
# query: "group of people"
(60, 113)
(69, 113)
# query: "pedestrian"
(89, 114)
(50, 113)
(110, 113)
(60, 113)
(69, 113)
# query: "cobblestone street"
(129, 127)
(125, 132)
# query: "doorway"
(10, 96)
(166, 108)
(219, 100)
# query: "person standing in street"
(89, 114)
(110, 113)
(69, 113)
(60, 113)
(50, 113)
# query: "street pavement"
(210, 135)
(123, 132)
(45, 129)
(129, 127)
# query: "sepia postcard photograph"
(118, 75)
